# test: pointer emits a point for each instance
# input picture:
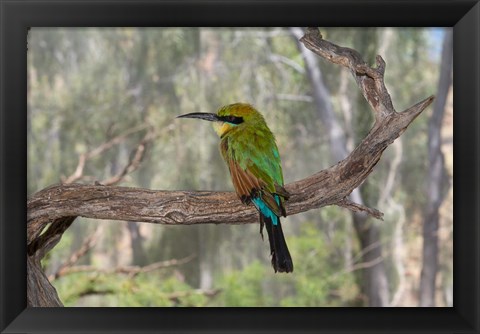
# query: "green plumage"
(249, 149)
(251, 154)
(254, 148)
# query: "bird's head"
(230, 117)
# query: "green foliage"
(318, 280)
(148, 289)
(245, 288)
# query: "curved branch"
(327, 187)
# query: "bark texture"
(56, 207)
(375, 283)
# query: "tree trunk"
(375, 281)
(437, 183)
(139, 258)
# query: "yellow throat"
(222, 128)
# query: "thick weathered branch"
(58, 205)
(39, 290)
(370, 80)
(327, 187)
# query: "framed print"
(106, 115)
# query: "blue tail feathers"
(281, 259)
(265, 210)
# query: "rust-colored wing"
(247, 185)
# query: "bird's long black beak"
(201, 115)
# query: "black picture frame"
(17, 16)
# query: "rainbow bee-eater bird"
(251, 154)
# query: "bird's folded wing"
(245, 183)
(253, 180)
(248, 185)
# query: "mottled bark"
(58, 205)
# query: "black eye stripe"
(232, 119)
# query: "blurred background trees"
(102, 103)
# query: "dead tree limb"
(87, 244)
(59, 205)
(134, 162)
(84, 157)
(130, 271)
